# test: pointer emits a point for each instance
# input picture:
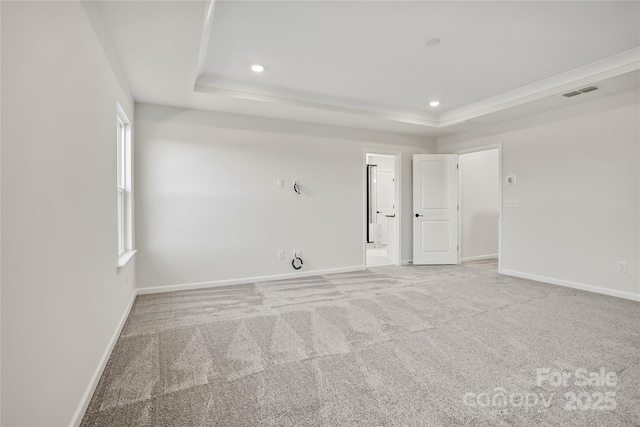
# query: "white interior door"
(435, 209)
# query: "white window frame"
(124, 187)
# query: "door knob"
(417, 215)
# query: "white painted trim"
(612, 66)
(251, 96)
(574, 285)
(229, 282)
(596, 71)
(93, 383)
(205, 36)
(125, 258)
(364, 215)
(479, 257)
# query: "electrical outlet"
(280, 182)
(280, 255)
(622, 267)
(297, 254)
(512, 203)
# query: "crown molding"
(252, 96)
(205, 36)
(606, 68)
(612, 66)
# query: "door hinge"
(457, 166)
(458, 207)
(457, 248)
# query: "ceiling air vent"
(588, 89)
(580, 91)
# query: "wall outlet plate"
(280, 182)
(622, 267)
(511, 180)
(280, 255)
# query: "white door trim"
(397, 200)
(497, 145)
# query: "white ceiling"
(364, 64)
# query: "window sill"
(125, 257)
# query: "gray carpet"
(397, 346)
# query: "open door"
(435, 209)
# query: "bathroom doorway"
(381, 210)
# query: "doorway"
(480, 206)
(382, 221)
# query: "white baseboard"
(218, 283)
(88, 394)
(574, 285)
(479, 257)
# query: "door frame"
(497, 145)
(397, 188)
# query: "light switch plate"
(512, 203)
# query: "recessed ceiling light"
(257, 68)
(432, 42)
(434, 103)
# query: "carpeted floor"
(402, 346)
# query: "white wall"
(62, 296)
(577, 182)
(208, 208)
(479, 203)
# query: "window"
(123, 188)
